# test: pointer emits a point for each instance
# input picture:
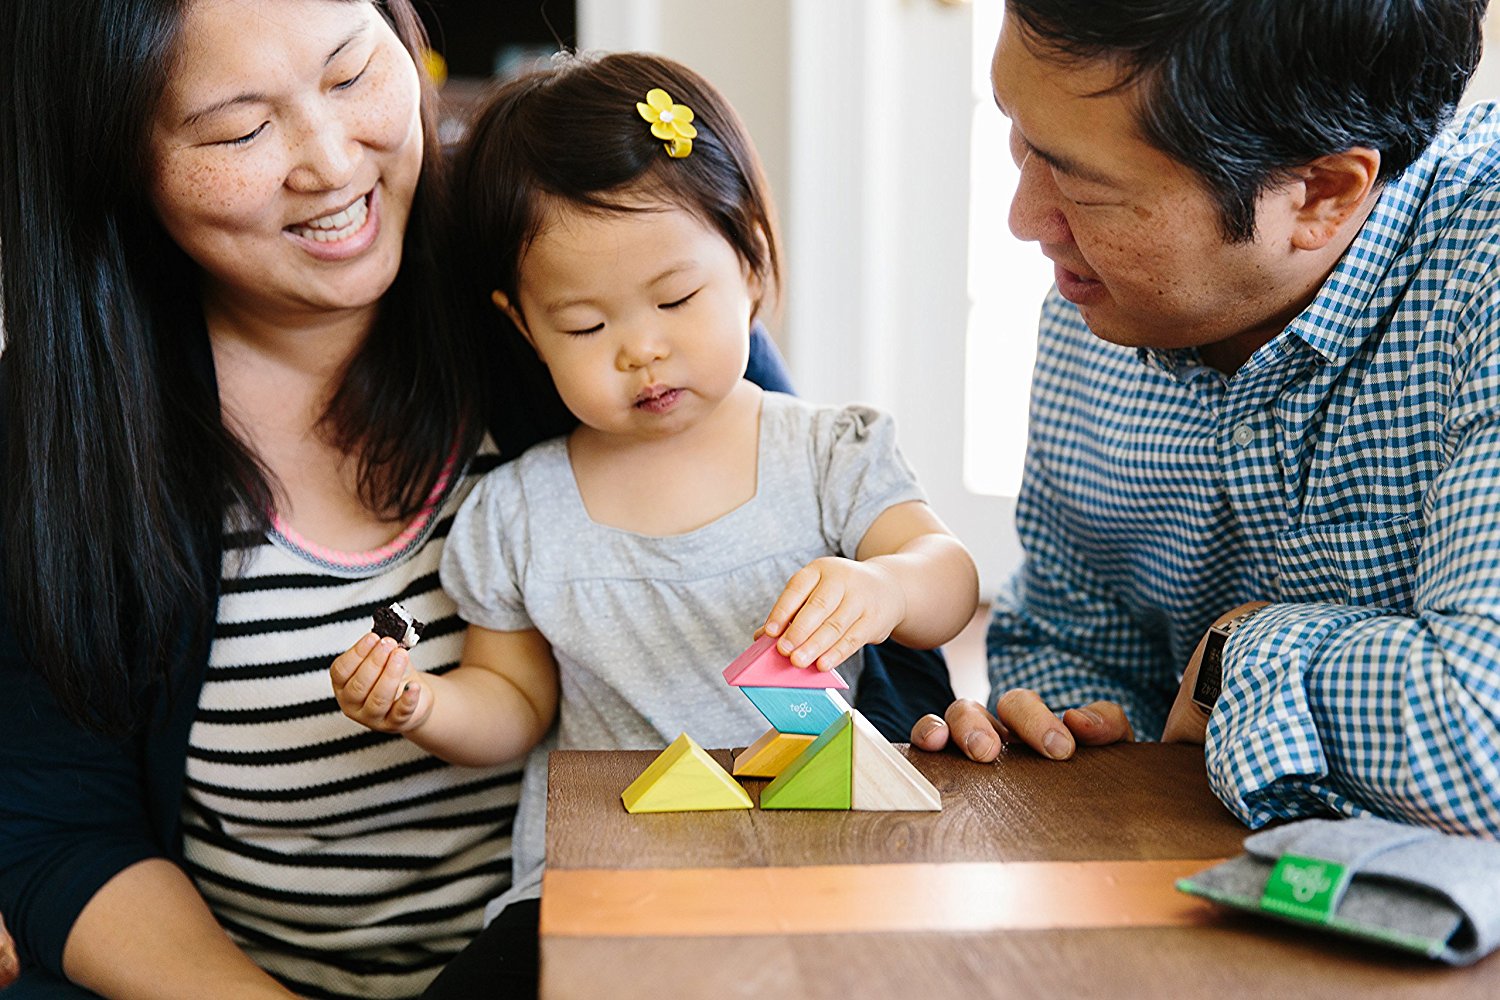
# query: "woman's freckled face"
(286, 152)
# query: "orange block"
(768, 756)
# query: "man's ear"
(504, 304)
(1334, 189)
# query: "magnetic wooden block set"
(820, 753)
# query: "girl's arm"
(911, 580)
(147, 933)
(492, 708)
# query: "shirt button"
(1243, 435)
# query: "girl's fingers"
(825, 628)
(387, 689)
(357, 689)
(821, 606)
(793, 596)
(846, 646)
(347, 662)
(407, 702)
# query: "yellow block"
(767, 756)
(681, 779)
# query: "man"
(1267, 399)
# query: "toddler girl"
(618, 218)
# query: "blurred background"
(888, 162)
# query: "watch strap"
(1211, 665)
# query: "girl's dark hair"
(119, 472)
(571, 132)
(1244, 91)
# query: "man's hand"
(1021, 717)
(10, 963)
(1187, 723)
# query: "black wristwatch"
(1211, 666)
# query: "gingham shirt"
(1349, 473)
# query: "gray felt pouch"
(1402, 886)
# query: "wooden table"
(1037, 879)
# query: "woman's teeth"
(338, 226)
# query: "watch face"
(1210, 672)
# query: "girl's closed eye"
(583, 333)
(679, 302)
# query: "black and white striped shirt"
(347, 863)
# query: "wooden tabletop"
(1037, 878)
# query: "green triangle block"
(822, 777)
(684, 778)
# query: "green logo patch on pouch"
(1304, 888)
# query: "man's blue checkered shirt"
(1349, 473)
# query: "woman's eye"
(245, 139)
(352, 80)
(681, 301)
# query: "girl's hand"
(833, 606)
(376, 686)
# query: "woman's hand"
(376, 686)
(831, 607)
(10, 962)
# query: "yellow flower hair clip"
(670, 122)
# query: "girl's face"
(286, 153)
(643, 318)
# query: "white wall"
(1486, 83)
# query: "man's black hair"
(1244, 91)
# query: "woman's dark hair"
(1243, 91)
(570, 132)
(119, 472)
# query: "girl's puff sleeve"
(485, 556)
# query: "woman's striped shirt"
(346, 862)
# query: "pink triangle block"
(762, 666)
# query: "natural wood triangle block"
(821, 777)
(762, 666)
(768, 756)
(684, 778)
(884, 780)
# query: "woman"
(231, 384)
(237, 415)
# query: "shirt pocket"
(1366, 563)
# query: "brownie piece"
(395, 622)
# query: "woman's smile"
(342, 234)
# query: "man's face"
(1133, 234)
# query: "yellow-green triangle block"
(684, 778)
(822, 777)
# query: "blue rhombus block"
(798, 710)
